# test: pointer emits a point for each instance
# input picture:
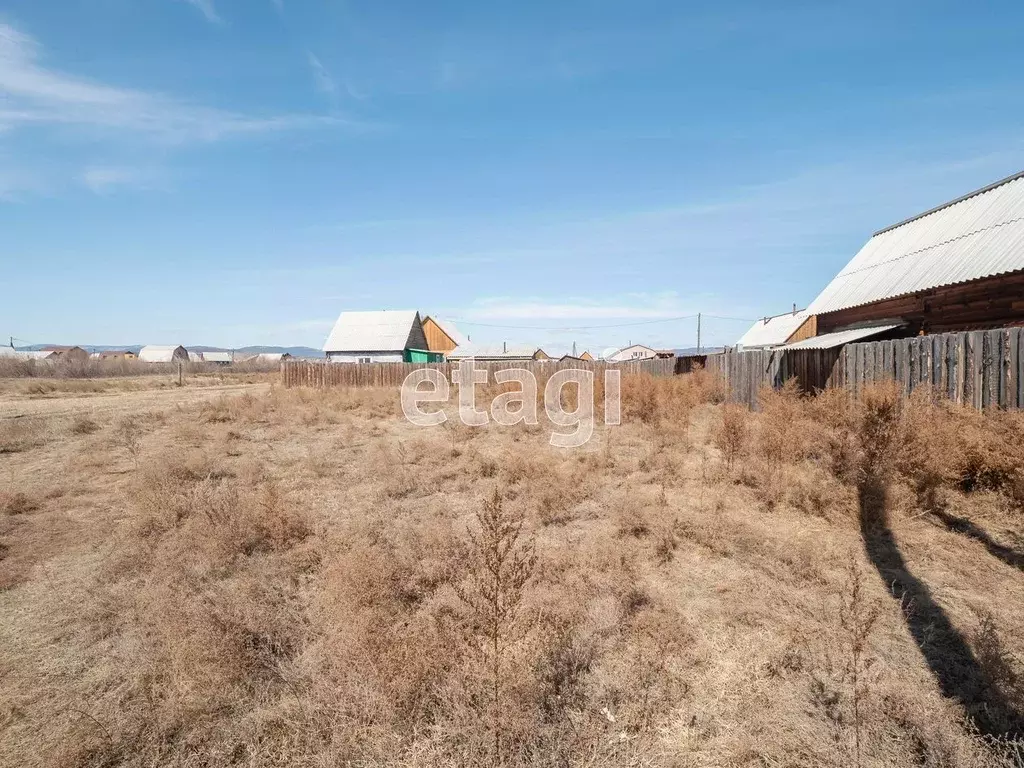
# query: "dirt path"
(18, 407)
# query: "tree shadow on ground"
(948, 654)
(962, 525)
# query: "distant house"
(271, 357)
(771, 332)
(632, 352)
(67, 353)
(503, 351)
(156, 353)
(220, 358)
(27, 354)
(113, 354)
(385, 336)
(586, 356)
(441, 335)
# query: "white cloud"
(33, 95)
(355, 93)
(206, 8)
(103, 179)
(321, 77)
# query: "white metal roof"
(509, 351)
(215, 357)
(449, 328)
(773, 331)
(26, 354)
(979, 235)
(381, 331)
(159, 353)
(839, 338)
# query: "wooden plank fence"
(321, 374)
(983, 369)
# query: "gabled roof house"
(770, 332)
(385, 336)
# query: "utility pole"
(698, 333)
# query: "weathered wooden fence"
(745, 373)
(984, 369)
(305, 373)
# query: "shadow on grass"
(962, 525)
(948, 654)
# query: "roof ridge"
(951, 203)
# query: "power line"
(736, 319)
(574, 327)
(598, 327)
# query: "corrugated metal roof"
(839, 338)
(773, 332)
(979, 235)
(381, 331)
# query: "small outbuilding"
(67, 353)
(219, 358)
(495, 352)
(771, 332)
(113, 354)
(156, 353)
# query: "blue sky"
(233, 172)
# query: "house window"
(364, 360)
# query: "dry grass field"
(302, 578)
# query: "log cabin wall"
(992, 302)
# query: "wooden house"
(956, 267)
(67, 353)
